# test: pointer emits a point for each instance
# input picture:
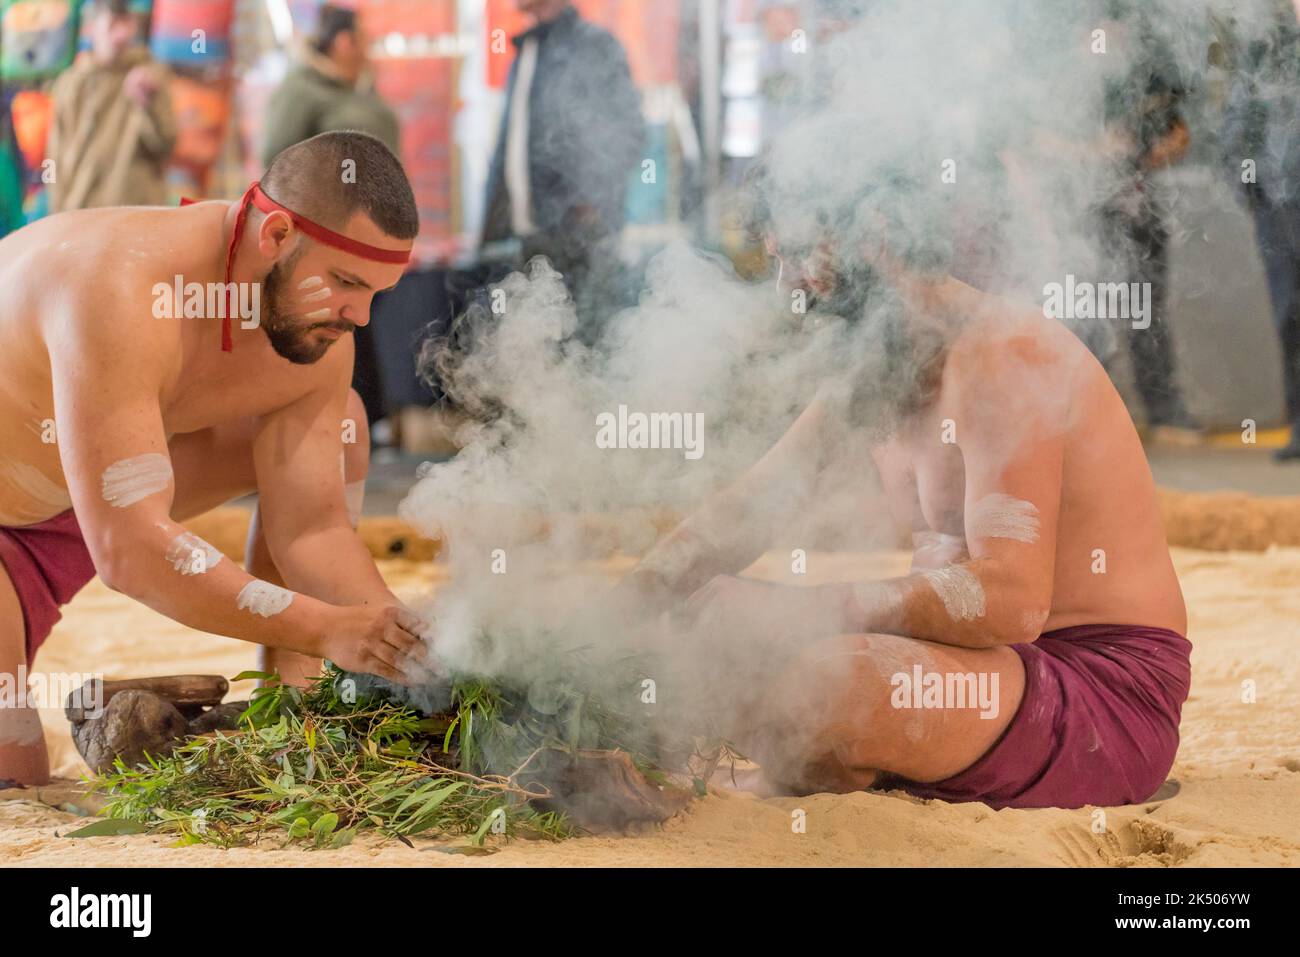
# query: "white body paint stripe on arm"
(129, 481)
(1001, 516)
(191, 555)
(263, 598)
(959, 590)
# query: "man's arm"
(297, 453)
(108, 366)
(158, 133)
(1002, 593)
(736, 524)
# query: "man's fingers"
(413, 623)
(377, 666)
(401, 640)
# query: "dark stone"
(134, 723)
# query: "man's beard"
(295, 342)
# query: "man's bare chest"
(926, 484)
(228, 392)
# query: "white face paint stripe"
(319, 314)
(191, 555)
(1001, 516)
(263, 598)
(130, 480)
(318, 295)
(311, 282)
(959, 590)
(355, 494)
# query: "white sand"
(1239, 764)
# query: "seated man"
(123, 413)
(1040, 571)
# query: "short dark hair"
(330, 22)
(308, 179)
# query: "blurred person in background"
(330, 89)
(113, 128)
(1145, 132)
(571, 134)
(1263, 103)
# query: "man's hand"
(382, 640)
(140, 85)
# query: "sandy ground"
(1238, 767)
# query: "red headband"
(315, 230)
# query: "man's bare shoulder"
(1017, 361)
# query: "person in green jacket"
(328, 88)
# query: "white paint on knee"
(959, 590)
(191, 555)
(355, 495)
(1001, 516)
(129, 481)
(263, 598)
(20, 726)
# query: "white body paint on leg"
(129, 481)
(1001, 516)
(355, 494)
(191, 555)
(959, 590)
(263, 598)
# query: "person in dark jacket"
(1263, 159)
(571, 134)
(1145, 125)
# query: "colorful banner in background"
(38, 38)
(176, 39)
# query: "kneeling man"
(123, 414)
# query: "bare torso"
(1112, 560)
(64, 266)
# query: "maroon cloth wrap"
(48, 563)
(1098, 723)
